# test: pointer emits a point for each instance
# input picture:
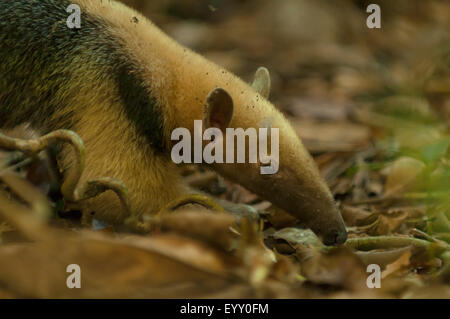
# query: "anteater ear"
(218, 109)
(261, 84)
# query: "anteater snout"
(335, 237)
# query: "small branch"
(386, 242)
(407, 196)
(418, 233)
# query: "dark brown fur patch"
(42, 62)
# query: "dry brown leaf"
(339, 268)
(386, 225)
(381, 257)
(354, 216)
(279, 219)
(398, 265)
(192, 223)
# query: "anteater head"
(292, 180)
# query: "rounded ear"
(218, 109)
(261, 83)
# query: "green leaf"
(435, 151)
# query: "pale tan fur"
(152, 181)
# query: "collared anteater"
(124, 86)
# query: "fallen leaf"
(402, 262)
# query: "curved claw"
(98, 186)
(147, 226)
(70, 189)
(34, 146)
(199, 199)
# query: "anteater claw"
(70, 188)
(147, 225)
(199, 199)
(98, 186)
